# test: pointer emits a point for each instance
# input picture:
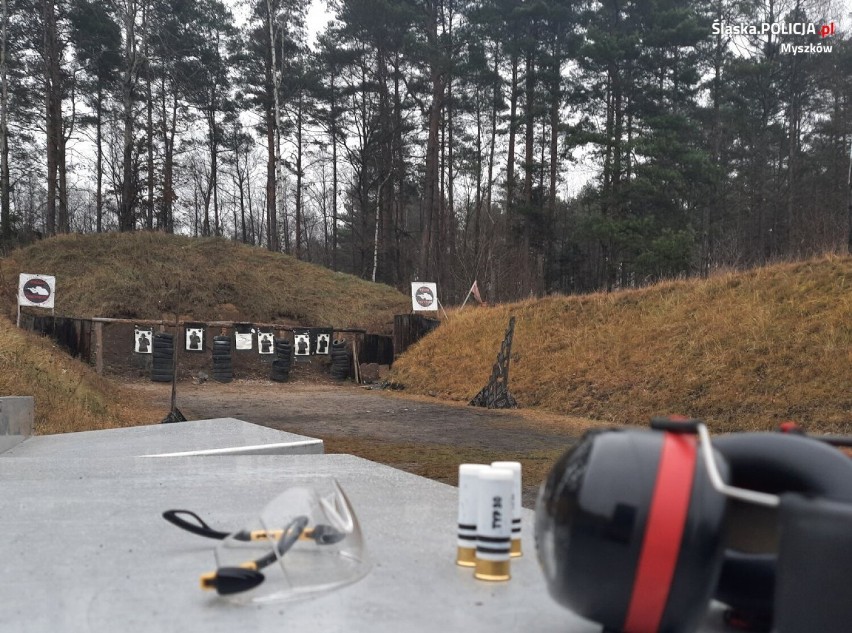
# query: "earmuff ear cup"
(592, 538)
(774, 463)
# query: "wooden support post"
(99, 347)
(357, 365)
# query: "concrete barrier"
(16, 420)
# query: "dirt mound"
(69, 396)
(137, 276)
(743, 351)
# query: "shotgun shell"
(515, 467)
(468, 488)
(494, 524)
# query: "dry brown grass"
(743, 351)
(135, 275)
(69, 396)
(441, 461)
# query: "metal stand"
(495, 395)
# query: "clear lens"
(330, 552)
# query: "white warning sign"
(424, 296)
(36, 290)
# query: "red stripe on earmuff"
(663, 534)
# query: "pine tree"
(97, 41)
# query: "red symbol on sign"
(424, 296)
(37, 291)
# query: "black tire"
(280, 370)
(221, 375)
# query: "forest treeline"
(536, 146)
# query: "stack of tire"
(162, 366)
(223, 364)
(341, 360)
(281, 365)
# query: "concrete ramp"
(220, 436)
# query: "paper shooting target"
(142, 339)
(323, 341)
(194, 338)
(244, 336)
(302, 342)
(265, 343)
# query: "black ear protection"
(638, 530)
(247, 575)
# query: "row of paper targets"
(306, 341)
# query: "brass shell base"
(466, 556)
(516, 552)
(493, 570)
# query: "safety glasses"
(306, 540)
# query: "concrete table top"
(84, 548)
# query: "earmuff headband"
(663, 534)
